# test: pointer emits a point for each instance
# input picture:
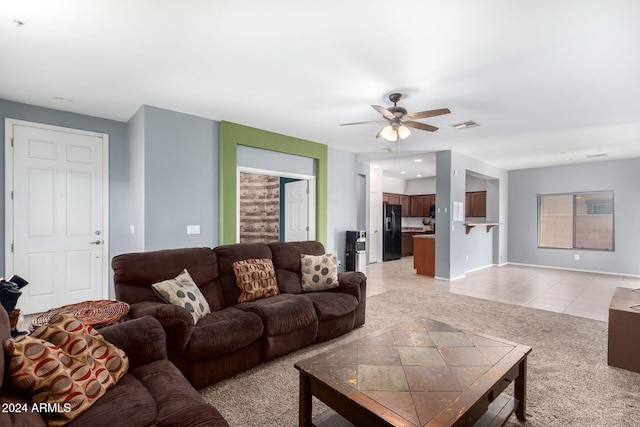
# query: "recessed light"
(403, 172)
(376, 167)
(418, 176)
(417, 160)
(466, 125)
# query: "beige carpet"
(569, 382)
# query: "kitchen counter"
(424, 254)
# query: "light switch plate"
(193, 229)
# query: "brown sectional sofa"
(237, 336)
(152, 392)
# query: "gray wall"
(258, 158)
(621, 176)
(136, 133)
(119, 237)
(180, 179)
(456, 251)
(342, 203)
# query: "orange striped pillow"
(65, 364)
(256, 279)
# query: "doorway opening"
(275, 206)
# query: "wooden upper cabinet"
(421, 205)
(476, 202)
(385, 197)
(405, 202)
(394, 199)
(416, 206)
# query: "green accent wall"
(232, 135)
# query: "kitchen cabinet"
(407, 244)
(424, 254)
(405, 202)
(394, 199)
(476, 204)
(421, 205)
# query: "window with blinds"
(576, 221)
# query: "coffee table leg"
(305, 402)
(521, 390)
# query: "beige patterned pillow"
(319, 272)
(65, 364)
(184, 292)
(256, 279)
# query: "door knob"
(96, 242)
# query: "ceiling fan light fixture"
(389, 133)
(403, 131)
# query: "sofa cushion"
(183, 292)
(134, 273)
(319, 272)
(286, 261)
(177, 402)
(283, 313)
(64, 362)
(256, 279)
(331, 305)
(128, 402)
(223, 332)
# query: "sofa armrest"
(353, 283)
(172, 318)
(142, 340)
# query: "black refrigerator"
(392, 237)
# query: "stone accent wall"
(259, 208)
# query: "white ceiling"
(550, 82)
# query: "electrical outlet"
(576, 257)
(193, 229)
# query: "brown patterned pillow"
(319, 272)
(65, 364)
(256, 278)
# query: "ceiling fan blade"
(421, 126)
(429, 113)
(362, 123)
(386, 113)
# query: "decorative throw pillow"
(65, 364)
(256, 279)
(319, 272)
(184, 292)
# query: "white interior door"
(296, 215)
(57, 219)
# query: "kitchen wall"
(621, 176)
(457, 251)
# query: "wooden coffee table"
(421, 373)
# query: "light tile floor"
(572, 292)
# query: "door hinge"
(307, 228)
(11, 194)
(11, 246)
(12, 141)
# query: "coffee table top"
(416, 373)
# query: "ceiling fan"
(399, 122)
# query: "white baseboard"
(571, 269)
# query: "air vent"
(466, 125)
